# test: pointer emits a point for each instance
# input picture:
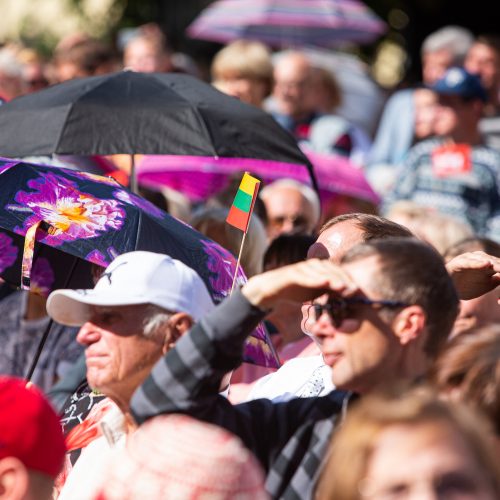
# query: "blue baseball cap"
(458, 81)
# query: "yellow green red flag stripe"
(241, 209)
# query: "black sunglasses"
(338, 309)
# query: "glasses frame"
(298, 222)
(337, 308)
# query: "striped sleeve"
(188, 377)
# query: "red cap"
(29, 427)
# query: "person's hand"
(474, 274)
(297, 283)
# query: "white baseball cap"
(135, 278)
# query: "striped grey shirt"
(290, 439)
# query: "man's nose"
(323, 328)
(88, 334)
(288, 225)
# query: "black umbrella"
(142, 113)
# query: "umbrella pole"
(312, 174)
(314, 180)
(39, 351)
(47, 330)
(133, 175)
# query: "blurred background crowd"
(398, 113)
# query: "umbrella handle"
(39, 349)
(133, 175)
(314, 181)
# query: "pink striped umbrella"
(199, 177)
(288, 23)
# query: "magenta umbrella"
(199, 177)
(288, 23)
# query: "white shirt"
(289, 381)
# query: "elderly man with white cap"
(141, 305)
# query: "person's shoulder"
(282, 384)
(487, 155)
(14, 297)
(334, 403)
(400, 97)
(327, 120)
(295, 367)
(326, 130)
(403, 93)
(12, 308)
(425, 146)
(304, 362)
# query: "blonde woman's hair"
(354, 443)
(245, 59)
(440, 230)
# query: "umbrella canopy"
(46, 212)
(200, 177)
(288, 23)
(149, 113)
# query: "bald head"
(292, 92)
(334, 242)
(291, 207)
(292, 63)
(341, 233)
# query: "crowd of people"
(385, 317)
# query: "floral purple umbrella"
(57, 214)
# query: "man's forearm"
(187, 379)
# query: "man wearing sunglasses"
(380, 316)
(308, 375)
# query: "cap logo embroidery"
(454, 77)
(108, 274)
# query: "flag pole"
(238, 262)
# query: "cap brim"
(446, 91)
(73, 307)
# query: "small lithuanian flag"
(242, 207)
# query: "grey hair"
(307, 192)
(154, 318)
(456, 39)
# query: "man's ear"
(14, 478)
(178, 325)
(409, 324)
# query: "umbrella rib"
(70, 111)
(138, 230)
(207, 130)
(203, 123)
(61, 131)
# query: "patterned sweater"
(472, 196)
